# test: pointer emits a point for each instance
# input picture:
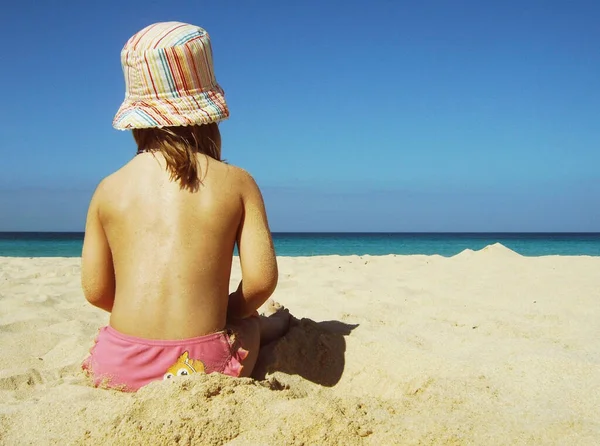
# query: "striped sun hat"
(169, 79)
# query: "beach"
(485, 347)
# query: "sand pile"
(487, 347)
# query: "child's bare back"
(172, 247)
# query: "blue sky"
(351, 115)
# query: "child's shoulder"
(109, 187)
(241, 175)
(108, 183)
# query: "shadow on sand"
(312, 350)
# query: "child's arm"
(257, 254)
(97, 270)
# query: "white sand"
(485, 348)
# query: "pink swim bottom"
(127, 363)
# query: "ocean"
(68, 244)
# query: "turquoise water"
(46, 244)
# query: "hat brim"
(187, 109)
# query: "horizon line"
(358, 232)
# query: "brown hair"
(179, 146)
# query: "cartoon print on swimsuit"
(184, 367)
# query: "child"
(160, 231)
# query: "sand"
(484, 348)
